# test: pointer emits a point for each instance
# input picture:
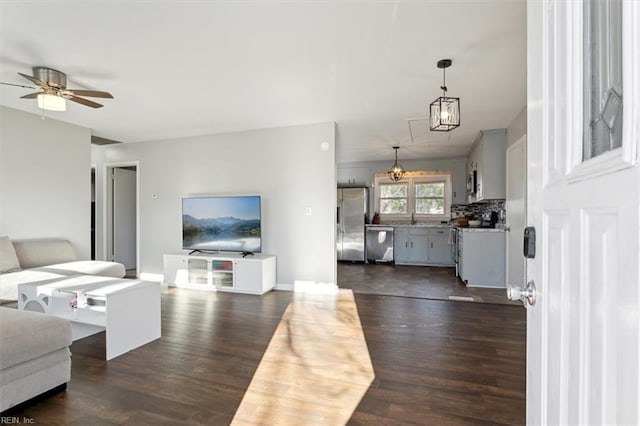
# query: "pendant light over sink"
(396, 172)
(444, 112)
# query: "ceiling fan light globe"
(51, 102)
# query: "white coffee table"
(128, 310)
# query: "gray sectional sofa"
(34, 347)
(34, 355)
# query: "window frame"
(379, 198)
(411, 179)
(417, 182)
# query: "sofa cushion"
(86, 267)
(8, 258)
(9, 282)
(34, 253)
(33, 378)
(33, 366)
(26, 335)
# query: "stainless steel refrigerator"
(353, 207)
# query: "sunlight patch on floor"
(316, 368)
(461, 298)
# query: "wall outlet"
(307, 211)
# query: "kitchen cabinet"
(401, 245)
(482, 257)
(422, 246)
(440, 249)
(410, 246)
(418, 246)
(360, 176)
(408, 249)
(488, 160)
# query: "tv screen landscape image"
(221, 224)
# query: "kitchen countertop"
(478, 229)
(436, 225)
(417, 225)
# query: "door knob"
(525, 295)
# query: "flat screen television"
(230, 223)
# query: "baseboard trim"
(307, 286)
(283, 287)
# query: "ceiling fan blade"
(30, 95)
(90, 93)
(86, 102)
(34, 80)
(17, 85)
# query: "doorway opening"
(122, 217)
(93, 212)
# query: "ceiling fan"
(53, 90)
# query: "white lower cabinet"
(440, 251)
(482, 261)
(422, 246)
(400, 245)
(418, 246)
(410, 246)
(254, 274)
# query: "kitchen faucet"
(413, 219)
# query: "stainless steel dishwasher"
(379, 244)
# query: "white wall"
(284, 165)
(517, 128)
(45, 179)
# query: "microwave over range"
(472, 183)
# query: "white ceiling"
(192, 68)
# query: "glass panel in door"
(602, 77)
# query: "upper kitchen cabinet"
(488, 160)
(354, 176)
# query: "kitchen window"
(425, 195)
(429, 198)
(394, 198)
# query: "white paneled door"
(515, 206)
(583, 200)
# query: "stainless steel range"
(454, 240)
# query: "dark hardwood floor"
(425, 282)
(441, 362)
(435, 362)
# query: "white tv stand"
(252, 274)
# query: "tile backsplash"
(477, 209)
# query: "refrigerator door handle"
(338, 215)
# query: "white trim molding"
(625, 156)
